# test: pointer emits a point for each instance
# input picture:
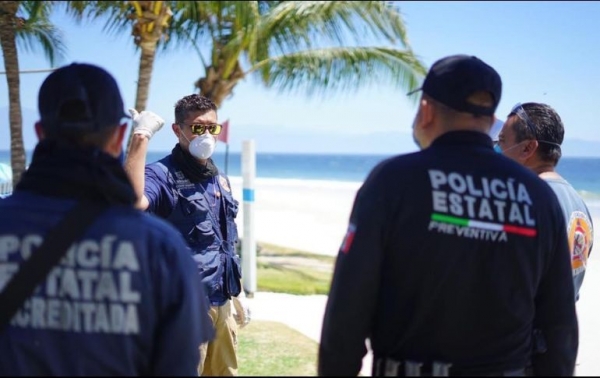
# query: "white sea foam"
(304, 183)
(590, 198)
(308, 215)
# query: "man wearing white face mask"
(187, 189)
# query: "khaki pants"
(219, 356)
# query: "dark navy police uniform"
(454, 263)
(125, 300)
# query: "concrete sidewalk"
(301, 312)
(588, 314)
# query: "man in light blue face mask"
(499, 149)
(518, 146)
(187, 189)
(532, 135)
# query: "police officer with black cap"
(454, 254)
(124, 297)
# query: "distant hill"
(273, 139)
(282, 139)
(581, 148)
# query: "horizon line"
(325, 153)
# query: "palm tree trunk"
(144, 76)
(8, 11)
(215, 87)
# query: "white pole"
(249, 241)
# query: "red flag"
(224, 136)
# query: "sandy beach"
(308, 215)
(313, 215)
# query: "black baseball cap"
(80, 98)
(451, 80)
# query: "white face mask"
(202, 146)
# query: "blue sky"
(544, 51)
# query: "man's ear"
(176, 129)
(427, 113)
(529, 149)
(39, 132)
(115, 144)
(121, 133)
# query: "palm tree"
(25, 23)
(148, 21)
(308, 46)
(270, 40)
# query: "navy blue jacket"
(210, 233)
(453, 254)
(125, 300)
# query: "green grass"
(273, 349)
(297, 280)
(312, 276)
(265, 249)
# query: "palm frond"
(245, 15)
(37, 31)
(36, 10)
(289, 26)
(332, 70)
(91, 10)
(188, 26)
(117, 18)
(307, 46)
(44, 35)
(337, 22)
(215, 24)
(113, 13)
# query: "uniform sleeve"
(355, 285)
(592, 225)
(555, 314)
(235, 201)
(158, 191)
(184, 321)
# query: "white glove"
(146, 123)
(242, 311)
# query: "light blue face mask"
(500, 151)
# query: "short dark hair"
(192, 103)
(549, 130)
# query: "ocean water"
(582, 173)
